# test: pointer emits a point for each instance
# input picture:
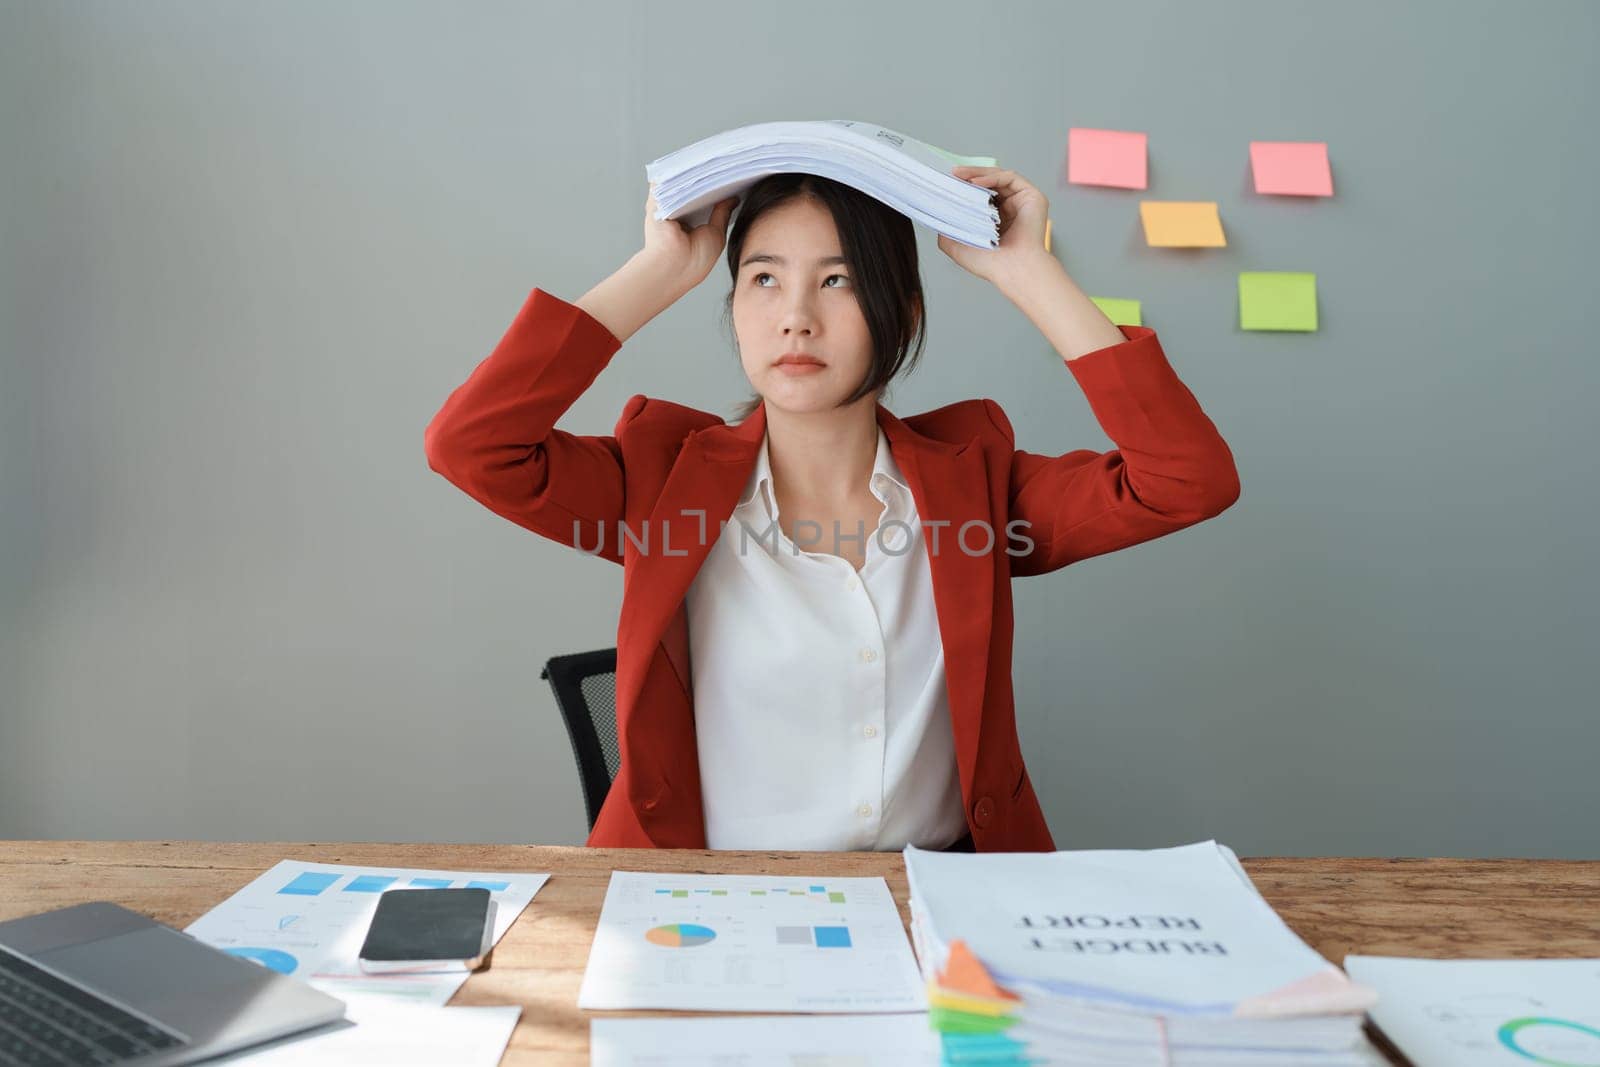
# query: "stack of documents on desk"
(910, 176)
(1167, 956)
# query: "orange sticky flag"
(964, 974)
(1181, 224)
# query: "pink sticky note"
(1293, 168)
(1107, 157)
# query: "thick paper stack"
(910, 176)
(1160, 957)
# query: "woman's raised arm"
(495, 436)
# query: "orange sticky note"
(1181, 224)
(1116, 158)
(1291, 168)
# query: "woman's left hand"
(1023, 211)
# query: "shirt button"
(871, 731)
(864, 810)
(868, 655)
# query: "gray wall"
(250, 248)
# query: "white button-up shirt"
(821, 715)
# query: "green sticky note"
(1277, 300)
(1120, 312)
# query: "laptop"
(99, 984)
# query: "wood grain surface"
(1402, 907)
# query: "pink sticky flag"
(1107, 157)
(1293, 168)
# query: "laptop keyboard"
(45, 1022)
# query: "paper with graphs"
(1487, 1012)
(764, 1041)
(709, 942)
(309, 920)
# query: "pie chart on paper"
(680, 935)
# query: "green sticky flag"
(1120, 312)
(1277, 300)
(958, 160)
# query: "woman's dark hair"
(880, 248)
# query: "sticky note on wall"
(1120, 312)
(1180, 224)
(1291, 168)
(1118, 158)
(1277, 300)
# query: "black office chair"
(585, 685)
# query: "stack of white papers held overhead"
(909, 175)
(1160, 957)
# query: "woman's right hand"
(684, 255)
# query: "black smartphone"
(429, 931)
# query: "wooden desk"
(1422, 907)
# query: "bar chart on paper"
(750, 943)
(308, 920)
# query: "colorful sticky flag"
(1277, 300)
(1047, 224)
(1291, 168)
(1181, 224)
(965, 976)
(1120, 312)
(1116, 158)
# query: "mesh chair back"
(585, 685)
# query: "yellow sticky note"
(1277, 300)
(1120, 312)
(1181, 224)
(1047, 224)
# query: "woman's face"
(794, 294)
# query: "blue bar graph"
(309, 884)
(833, 936)
(493, 887)
(431, 883)
(369, 883)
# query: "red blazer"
(671, 471)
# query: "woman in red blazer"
(645, 496)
